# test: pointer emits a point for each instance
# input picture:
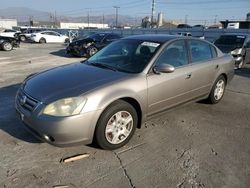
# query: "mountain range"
(23, 14)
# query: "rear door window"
(200, 51)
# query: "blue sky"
(194, 10)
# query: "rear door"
(169, 89)
(204, 65)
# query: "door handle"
(188, 76)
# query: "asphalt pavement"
(195, 145)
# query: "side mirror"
(163, 68)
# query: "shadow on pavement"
(60, 53)
(245, 72)
(9, 121)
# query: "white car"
(49, 37)
(9, 33)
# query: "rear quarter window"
(213, 51)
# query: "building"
(8, 23)
(66, 25)
(237, 24)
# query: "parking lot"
(195, 145)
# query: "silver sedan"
(112, 93)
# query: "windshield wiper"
(103, 66)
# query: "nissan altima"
(108, 96)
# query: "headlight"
(236, 51)
(65, 107)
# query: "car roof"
(104, 33)
(236, 34)
(154, 37)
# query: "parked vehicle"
(199, 27)
(184, 26)
(238, 45)
(90, 45)
(27, 32)
(235, 25)
(9, 33)
(112, 93)
(186, 34)
(8, 43)
(49, 37)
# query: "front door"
(169, 89)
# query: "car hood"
(69, 81)
(81, 41)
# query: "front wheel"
(218, 90)
(7, 46)
(92, 50)
(116, 125)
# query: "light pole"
(88, 17)
(215, 19)
(186, 19)
(116, 15)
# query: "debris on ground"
(60, 186)
(214, 152)
(74, 158)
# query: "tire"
(218, 90)
(42, 41)
(67, 41)
(22, 38)
(7, 46)
(116, 125)
(92, 50)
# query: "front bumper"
(76, 51)
(238, 59)
(58, 131)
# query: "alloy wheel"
(219, 89)
(119, 127)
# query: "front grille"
(26, 102)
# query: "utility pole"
(88, 18)
(103, 20)
(215, 19)
(116, 15)
(55, 20)
(186, 19)
(152, 12)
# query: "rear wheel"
(42, 41)
(22, 38)
(116, 125)
(7, 46)
(218, 90)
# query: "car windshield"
(233, 40)
(130, 56)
